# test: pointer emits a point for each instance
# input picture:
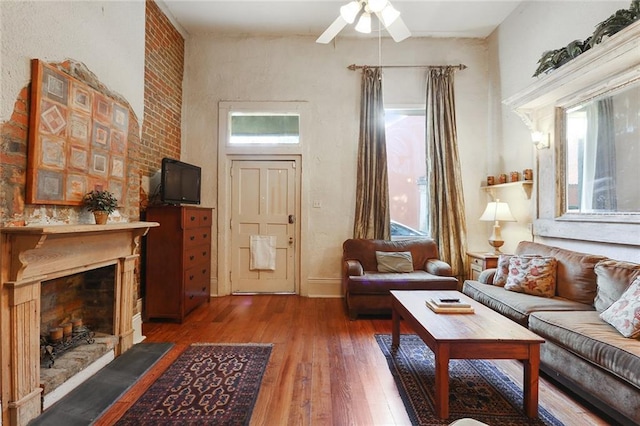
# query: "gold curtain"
(372, 216)
(446, 203)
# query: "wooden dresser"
(178, 261)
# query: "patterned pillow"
(624, 314)
(534, 275)
(502, 270)
(394, 261)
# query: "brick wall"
(159, 137)
(164, 70)
(13, 162)
(88, 295)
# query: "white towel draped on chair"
(263, 252)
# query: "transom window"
(264, 128)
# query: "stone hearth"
(33, 254)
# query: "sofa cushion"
(586, 335)
(382, 282)
(624, 313)
(575, 275)
(614, 277)
(517, 306)
(534, 275)
(394, 261)
(502, 270)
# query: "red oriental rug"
(207, 384)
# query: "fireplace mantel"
(33, 254)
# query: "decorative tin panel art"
(77, 139)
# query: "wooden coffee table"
(485, 334)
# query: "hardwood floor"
(324, 368)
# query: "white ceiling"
(441, 18)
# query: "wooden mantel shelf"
(77, 228)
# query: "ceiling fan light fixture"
(364, 23)
(349, 11)
(389, 15)
(377, 5)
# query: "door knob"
(290, 240)
(292, 218)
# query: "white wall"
(296, 68)
(107, 36)
(515, 48)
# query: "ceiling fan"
(363, 9)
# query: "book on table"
(449, 307)
(450, 303)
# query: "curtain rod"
(354, 67)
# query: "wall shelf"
(526, 185)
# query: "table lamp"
(496, 212)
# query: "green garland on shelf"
(622, 18)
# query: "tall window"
(405, 133)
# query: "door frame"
(227, 154)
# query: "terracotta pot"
(101, 217)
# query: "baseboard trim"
(324, 287)
(136, 324)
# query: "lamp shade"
(364, 23)
(497, 211)
(349, 11)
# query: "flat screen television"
(179, 182)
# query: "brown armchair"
(367, 291)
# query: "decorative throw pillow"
(502, 270)
(394, 261)
(535, 275)
(624, 314)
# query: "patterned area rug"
(208, 384)
(477, 389)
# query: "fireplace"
(32, 255)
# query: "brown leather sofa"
(367, 291)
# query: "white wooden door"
(263, 200)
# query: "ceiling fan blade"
(398, 30)
(332, 31)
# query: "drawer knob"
(204, 253)
(204, 271)
(190, 277)
(192, 238)
(193, 218)
(204, 289)
(191, 297)
(204, 235)
(191, 257)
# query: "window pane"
(264, 128)
(406, 163)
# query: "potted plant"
(101, 203)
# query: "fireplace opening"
(88, 299)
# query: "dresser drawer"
(196, 218)
(197, 237)
(479, 263)
(196, 286)
(196, 256)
